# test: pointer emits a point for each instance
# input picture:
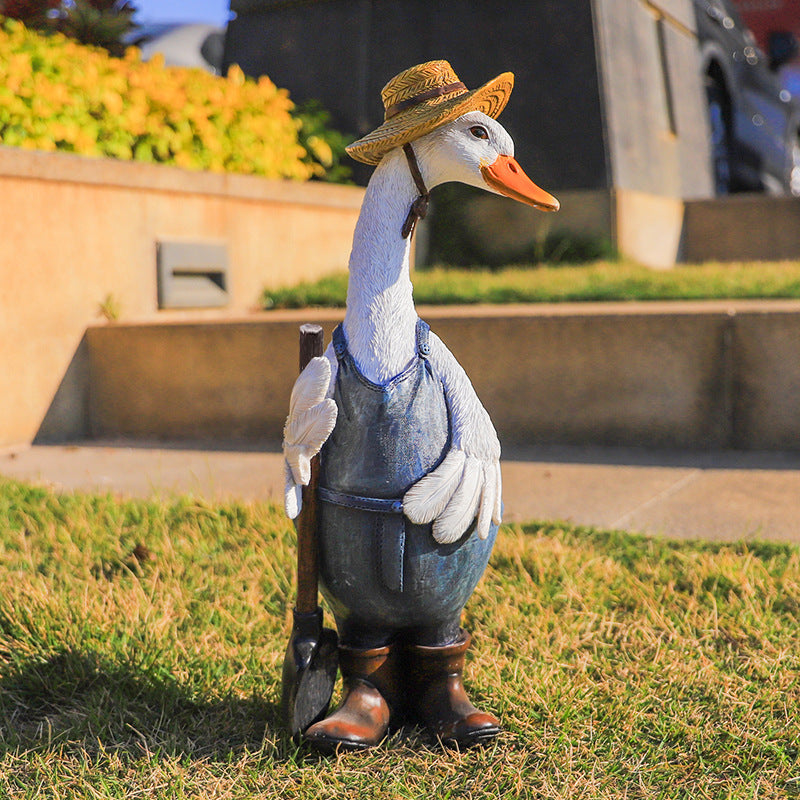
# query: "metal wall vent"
(192, 274)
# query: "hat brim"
(491, 99)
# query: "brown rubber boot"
(362, 719)
(437, 695)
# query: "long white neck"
(380, 321)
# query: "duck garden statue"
(409, 495)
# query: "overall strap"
(339, 342)
(423, 339)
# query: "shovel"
(311, 660)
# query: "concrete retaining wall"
(766, 380)
(75, 230)
(689, 375)
(744, 227)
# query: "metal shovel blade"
(309, 672)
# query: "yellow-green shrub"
(56, 94)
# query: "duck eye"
(479, 132)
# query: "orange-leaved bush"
(56, 94)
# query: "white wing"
(425, 500)
(312, 417)
(467, 483)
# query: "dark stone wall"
(342, 52)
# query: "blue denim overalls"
(382, 575)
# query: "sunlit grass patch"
(599, 281)
(141, 646)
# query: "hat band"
(396, 108)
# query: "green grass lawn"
(141, 645)
(602, 281)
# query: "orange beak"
(506, 176)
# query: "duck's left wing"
(312, 417)
(468, 482)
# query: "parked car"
(754, 119)
(182, 45)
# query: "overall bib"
(383, 576)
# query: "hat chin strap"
(419, 208)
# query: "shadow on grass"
(77, 702)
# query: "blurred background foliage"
(103, 23)
(455, 240)
(57, 93)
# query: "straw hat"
(422, 98)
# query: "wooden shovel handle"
(311, 342)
